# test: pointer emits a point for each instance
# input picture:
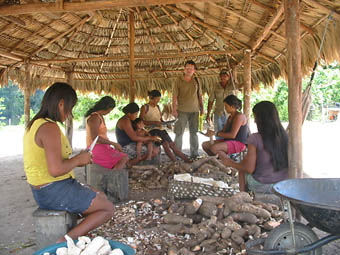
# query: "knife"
(93, 144)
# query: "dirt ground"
(320, 154)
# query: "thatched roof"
(92, 40)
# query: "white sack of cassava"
(195, 179)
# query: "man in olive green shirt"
(186, 104)
(220, 91)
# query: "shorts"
(162, 134)
(235, 146)
(106, 156)
(130, 150)
(66, 195)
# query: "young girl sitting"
(138, 126)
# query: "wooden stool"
(50, 225)
(114, 183)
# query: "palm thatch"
(91, 41)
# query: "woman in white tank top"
(151, 115)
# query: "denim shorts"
(66, 195)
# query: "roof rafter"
(273, 11)
(163, 29)
(186, 33)
(323, 8)
(150, 36)
(79, 23)
(110, 41)
(6, 10)
(267, 28)
(137, 57)
(243, 44)
(17, 45)
(247, 20)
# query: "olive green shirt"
(218, 93)
(187, 94)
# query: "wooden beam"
(210, 27)
(245, 45)
(138, 57)
(33, 8)
(247, 83)
(292, 18)
(163, 29)
(150, 37)
(59, 4)
(27, 93)
(323, 8)
(69, 120)
(15, 20)
(132, 56)
(185, 32)
(79, 23)
(267, 28)
(6, 27)
(17, 45)
(247, 20)
(273, 10)
(6, 54)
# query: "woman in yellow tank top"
(49, 168)
(151, 115)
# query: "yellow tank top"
(153, 114)
(35, 164)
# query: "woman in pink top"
(103, 154)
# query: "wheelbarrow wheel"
(281, 238)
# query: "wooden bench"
(50, 225)
(114, 183)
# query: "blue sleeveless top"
(122, 138)
(242, 133)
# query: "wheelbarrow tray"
(317, 199)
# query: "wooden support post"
(132, 56)
(247, 83)
(69, 120)
(292, 19)
(27, 94)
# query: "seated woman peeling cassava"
(49, 168)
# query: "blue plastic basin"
(52, 249)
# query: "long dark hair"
(275, 138)
(233, 101)
(49, 105)
(104, 103)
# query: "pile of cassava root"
(150, 177)
(207, 225)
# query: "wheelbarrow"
(318, 201)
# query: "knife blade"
(93, 144)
